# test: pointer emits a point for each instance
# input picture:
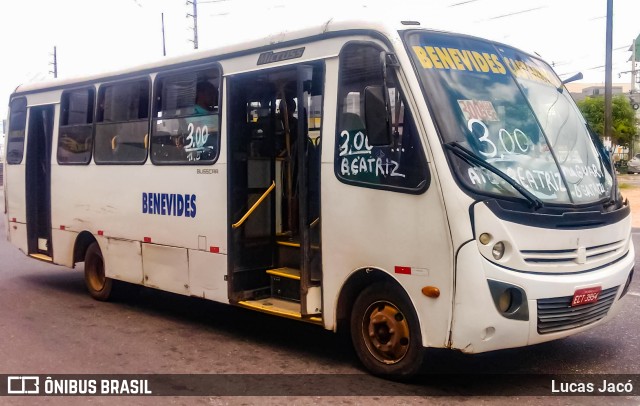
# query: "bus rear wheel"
(385, 331)
(98, 284)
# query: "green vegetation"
(624, 128)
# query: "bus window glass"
(17, 123)
(400, 166)
(186, 121)
(76, 127)
(122, 123)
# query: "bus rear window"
(76, 127)
(122, 123)
(17, 123)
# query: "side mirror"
(377, 116)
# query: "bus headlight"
(498, 250)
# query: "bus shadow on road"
(197, 314)
(578, 354)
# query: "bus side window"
(186, 118)
(76, 127)
(17, 124)
(122, 123)
(400, 166)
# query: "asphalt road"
(49, 325)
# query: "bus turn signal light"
(431, 291)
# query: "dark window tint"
(187, 117)
(76, 126)
(122, 123)
(17, 123)
(399, 166)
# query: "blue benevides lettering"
(169, 204)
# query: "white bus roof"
(321, 28)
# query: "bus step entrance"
(285, 283)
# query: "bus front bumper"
(478, 325)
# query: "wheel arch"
(356, 283)
(83, 241)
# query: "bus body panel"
(477, 324)
(392, 232)
(61, 240)
(366, 218)
(123, 259)
(165, 268)
(532, 248)
(207, 273)
(479, 327)
(14, 178)
(322, 49)
(18, 236)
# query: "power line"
(515, 13)
(462, 3)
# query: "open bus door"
(274, 161)
(38, 181)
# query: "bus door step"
(280, 307)
(285, 283)
(41, 257)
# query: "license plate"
(586, 296)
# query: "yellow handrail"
(255, 206)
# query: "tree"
(624, 127)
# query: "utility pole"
(195, 22)
(608, 116)
(633, 63)
(55, 62)
(164, 48)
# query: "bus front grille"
(573, 256)
(556, 314)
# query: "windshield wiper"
(472, 158)
(608, 160)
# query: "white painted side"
(367, 228)
(14, 190)
(313, 51)
(314, 300)
(123, 259)
(166, 268)
(207, 272)
(63, 242)
(18, 236)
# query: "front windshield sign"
(505, 106)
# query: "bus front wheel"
(385, 331)
(98, 284)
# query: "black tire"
(98, 285)
(386, 333)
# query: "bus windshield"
(509, 110)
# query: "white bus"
(416, 188)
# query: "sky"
(93, 36)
